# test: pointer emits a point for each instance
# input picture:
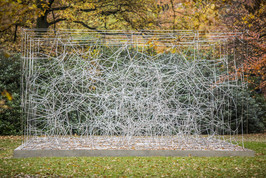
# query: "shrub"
(10, 111)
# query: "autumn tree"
(188, 15)
(248, 16)
(90, 14)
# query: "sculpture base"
(124, 153)
(19, 153)
(138, 146)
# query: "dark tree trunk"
(42, 22)
(15, 33)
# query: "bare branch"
(50, 3)
(59, 8)
(5, 29)
(87, 10)
(56, 21)
(85, 25)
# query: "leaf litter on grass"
(132, 166)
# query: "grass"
(134, 166)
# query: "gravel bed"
(128, 143)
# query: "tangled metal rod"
(131, 90)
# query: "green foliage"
(256, 113)
(10, 116)
(250, 109)
(133, 166)
(10, 112)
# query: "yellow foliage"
(7, 95)
(173, 50)
(92, 88)
(34, 6)
(7, 55)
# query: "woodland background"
(246, 16)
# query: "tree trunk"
(42, 23)
(15, 33)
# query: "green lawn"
(134, 166)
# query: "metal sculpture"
(130, 90)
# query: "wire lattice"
(131, 90)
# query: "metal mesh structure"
(131, 90)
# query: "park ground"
(134, 166)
